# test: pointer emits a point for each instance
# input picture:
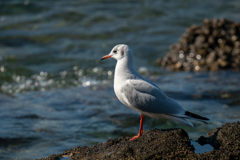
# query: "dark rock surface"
(214, 45)
(162, 144)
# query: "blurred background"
(56, 94)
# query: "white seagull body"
(142, 95)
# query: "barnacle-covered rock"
(213, 46)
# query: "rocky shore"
(213, 46)
(162, 144)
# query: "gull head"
(119, 52)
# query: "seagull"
(142, 95)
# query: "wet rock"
(162, 144)
(213, 46)
(226, 141)
(227, 136)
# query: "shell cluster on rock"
(213, 46)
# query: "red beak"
(105, 57)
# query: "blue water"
(55, 93)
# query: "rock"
(227, 136)
(213, 46)
(162, 144)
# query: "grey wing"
(149, 98)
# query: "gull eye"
(114, 51)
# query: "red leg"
(140, 129)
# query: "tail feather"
(182, 118)
(190, 114)
(178, 119)
(195, 116)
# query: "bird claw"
(135, 137)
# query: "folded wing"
(147, 97)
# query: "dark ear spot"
(122, 53)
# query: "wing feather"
(149, 98)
